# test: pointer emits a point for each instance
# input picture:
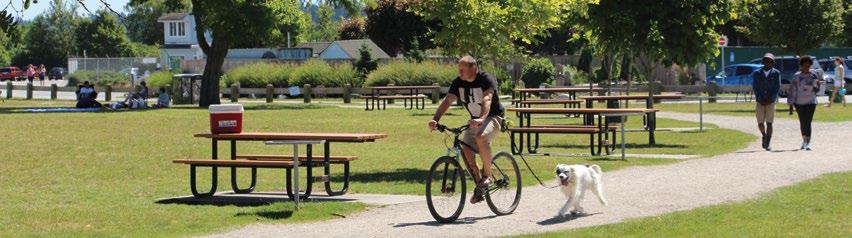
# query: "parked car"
(57, 73)
(789, 65)
(10, 73)
(735, 75)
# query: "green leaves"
(794, 25)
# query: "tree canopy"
(794, 25)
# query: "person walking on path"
(839, 83)
(766, 85)
(31, 72)
(41, 73)
(802, 96)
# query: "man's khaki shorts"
(490, 128)
(765, 113)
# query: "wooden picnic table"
(525, 121)
(572, 91)
(650, 119)
(256, 161)
(413, 95)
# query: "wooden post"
(9, 90)
(347, 94)
(307, 93)
(270, 93)
(108, 93)
(29, 90)
(53, 90)
(235, 92)
(436, 94)
(712, 91)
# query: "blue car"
(735, 75)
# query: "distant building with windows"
(181, 42)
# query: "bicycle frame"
(456, 150)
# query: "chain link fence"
(129, 70)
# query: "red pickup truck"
(10, 73)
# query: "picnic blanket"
(62, 109)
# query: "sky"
(43, 5)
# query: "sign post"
(723, 42)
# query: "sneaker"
(764, 144)
(808, 147)
(803, 145)
(477, 196)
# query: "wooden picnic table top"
(403, 87)
(549, 101)
(582, 110)
(558, 90)
(634, 97)
(262, 136)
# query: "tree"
(103, 36)
(407, 26)
(415, 53)
(290, 21)
(353, 29)
(142, 25)
(52, 36)
(325, 29)
(556, 41)
(365, 63)
(489, 28)
(794, 25)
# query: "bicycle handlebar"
(458, 130)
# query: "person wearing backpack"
(802, 95)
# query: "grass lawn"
(836, 113)
(97, 174)
(816, 208)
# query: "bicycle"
(446, 197)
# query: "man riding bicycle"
(477, 90)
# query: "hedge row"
(314, 72)
(98, 78)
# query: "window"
(177, 29)
(742, 70)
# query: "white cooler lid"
(226, 108)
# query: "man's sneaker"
(768, 141)
(477, 196)
(765, 143)
(808, 147)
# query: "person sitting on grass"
(87, 96)
(162, 99)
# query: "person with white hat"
(766, 86)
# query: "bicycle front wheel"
(445, 189)
(504, 193)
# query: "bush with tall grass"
(98, 78)
(159, 79)
(258, 75)
(403, 73)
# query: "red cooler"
(226, 118)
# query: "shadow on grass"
(460, 221)
(406, 175)
(558, 220)
(627, 145)
(272, 215)
(253, 200)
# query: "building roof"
(172, 17)
(316, 47)
(351, 48)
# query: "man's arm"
(442, 109)
(486, 103)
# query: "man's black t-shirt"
(471, 94)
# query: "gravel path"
(632, 192)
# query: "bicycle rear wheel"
(504, 193)
(445, 189)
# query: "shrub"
(344, 74)
(313, 72)
(159, 79)
(407, 74)
(536, 72)
(99, 78)
(365, 63)
(258, 75)
(577, 75)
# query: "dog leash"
(525, 160)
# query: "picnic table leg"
(214, 175)
(234, 184)
(289, 179)
(327, 168)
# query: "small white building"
(181, 42)
(348, 50)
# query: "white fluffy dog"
(574, 181)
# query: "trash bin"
(614, 104)
(186, 88)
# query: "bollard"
(53, 90)
(347, 94)
(307, 93)
(436, 93)
(235, 93)
(712, 91)
(108, 93)
(270, 93)
(9, 90)
(30, 90)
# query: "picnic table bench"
(287, 162)
(601, 128)
(650, 119)
(413, 99)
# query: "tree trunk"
(210, 79)
(625, 71)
